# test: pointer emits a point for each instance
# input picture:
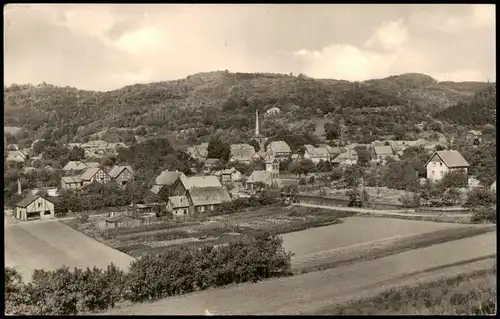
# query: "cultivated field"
(308, 293)
(52, 244)
(138, 241)
(355, 230)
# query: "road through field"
(52, 244)
(312, 291)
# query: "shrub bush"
(479, 197)
(167, 273)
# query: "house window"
(441, 164)
(47, 212)
(39, 204)
(434, 164)
(442, 173)
(433, 173)
(124, 183)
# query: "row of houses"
(380, 152)
(190, 195)
(92, 174)
(198, 194)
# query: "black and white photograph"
(249, 159)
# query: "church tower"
(258, 137)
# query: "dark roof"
(450, 158)
(29, 199)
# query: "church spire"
(257, 129)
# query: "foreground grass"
(381, 248)
(465, 294)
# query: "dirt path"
(312, 291)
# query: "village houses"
(122, 174)
(316, 154)
(273, 111)
(242, 153)
(203, 193)
(381, 154)
(229, 175)
(89, 176)
(170, 182)
(79, 166)
(347, 158)
(16, 156)
(198, 152)
(442, 162)
(474, 137)
(279, 149)
(269, 176)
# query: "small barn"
(122, 221)
(34, 207)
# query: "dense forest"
(224, 104)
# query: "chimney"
(19, 190)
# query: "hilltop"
(226, 102)
(480, 110)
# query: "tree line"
(171, 272)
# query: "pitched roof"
(209, 196)
(279, 147)
(91, 164)
(30, 198)
(349, 154)
(75, 165)
(475, 132)
(260, 176)
(274, 109)
(168, 177)
(71, 179)
(11, 155)
(317, 151)
(89, 173)
(201, 182)
(450, 158)
(178, 201)
(117, 170)
(383, 150)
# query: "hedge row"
(170, 272)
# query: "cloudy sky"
(104, 47)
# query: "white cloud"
(99, 46)
(390, 35)
(460, 75)
(401, 55)
(143, 40)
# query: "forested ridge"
(225, 102)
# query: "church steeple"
(257, 128)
